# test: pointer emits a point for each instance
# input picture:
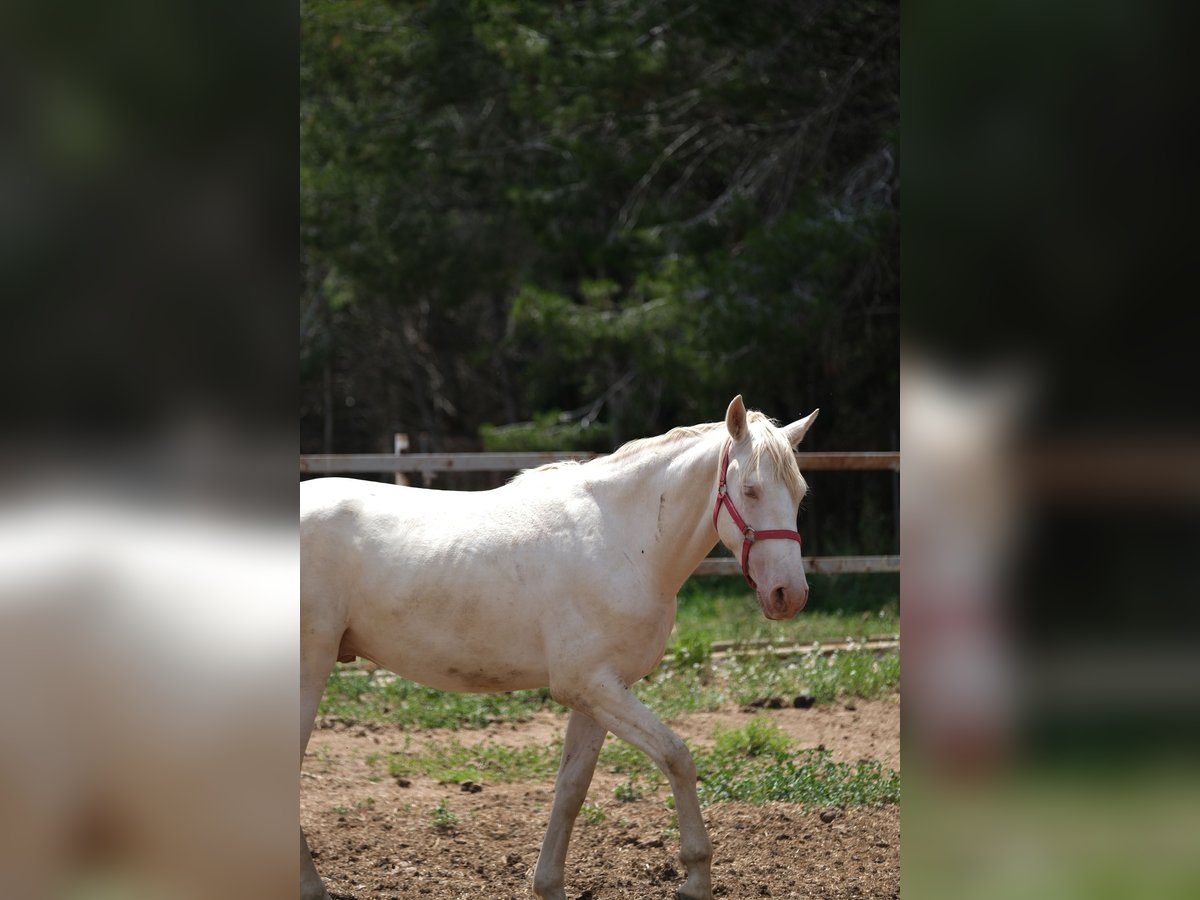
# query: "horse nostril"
(777, 598)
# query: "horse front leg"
(615, 707)
(581, 748)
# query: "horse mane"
(658, 441)
(778, 451)
(630, 448)
(769, 442)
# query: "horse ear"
(796, 431)
(735, 419)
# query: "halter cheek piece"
(749, 535)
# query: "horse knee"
(677, 760)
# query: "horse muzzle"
(783, 601)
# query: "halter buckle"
(748, 535)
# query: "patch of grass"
(359, 697)
(847, 606)
(810, 777)
(622, 758)
(670, 831)
(372, 760)
(856, 673)
(453, 761)
(322, 759)
(592, 814)
(756, 763)
(693, 649)
(444, 819)
(629, 790)
(672, 693)
(758, 737)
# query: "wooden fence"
(348, 463)
(427, 463)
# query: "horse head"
(759, 489)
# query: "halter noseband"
(749, 535)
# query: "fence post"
(400, 445)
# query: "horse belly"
(451, 646)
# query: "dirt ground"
(376, 840)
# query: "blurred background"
(148, 562)
(1051, 449)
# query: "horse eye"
(751, 491)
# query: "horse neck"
(669, 496)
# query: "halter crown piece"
(749, 535)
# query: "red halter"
(749, 535)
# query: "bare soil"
(376, 839)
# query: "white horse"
(565, 577)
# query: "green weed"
(670, 831)
(444, 819)
(592, 814)
(629, 790)
(693, 650)
(758, 737)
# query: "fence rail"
(363, 463)
(360, 463)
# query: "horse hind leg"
(317, 655)
(581, 748)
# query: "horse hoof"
(680, 895)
